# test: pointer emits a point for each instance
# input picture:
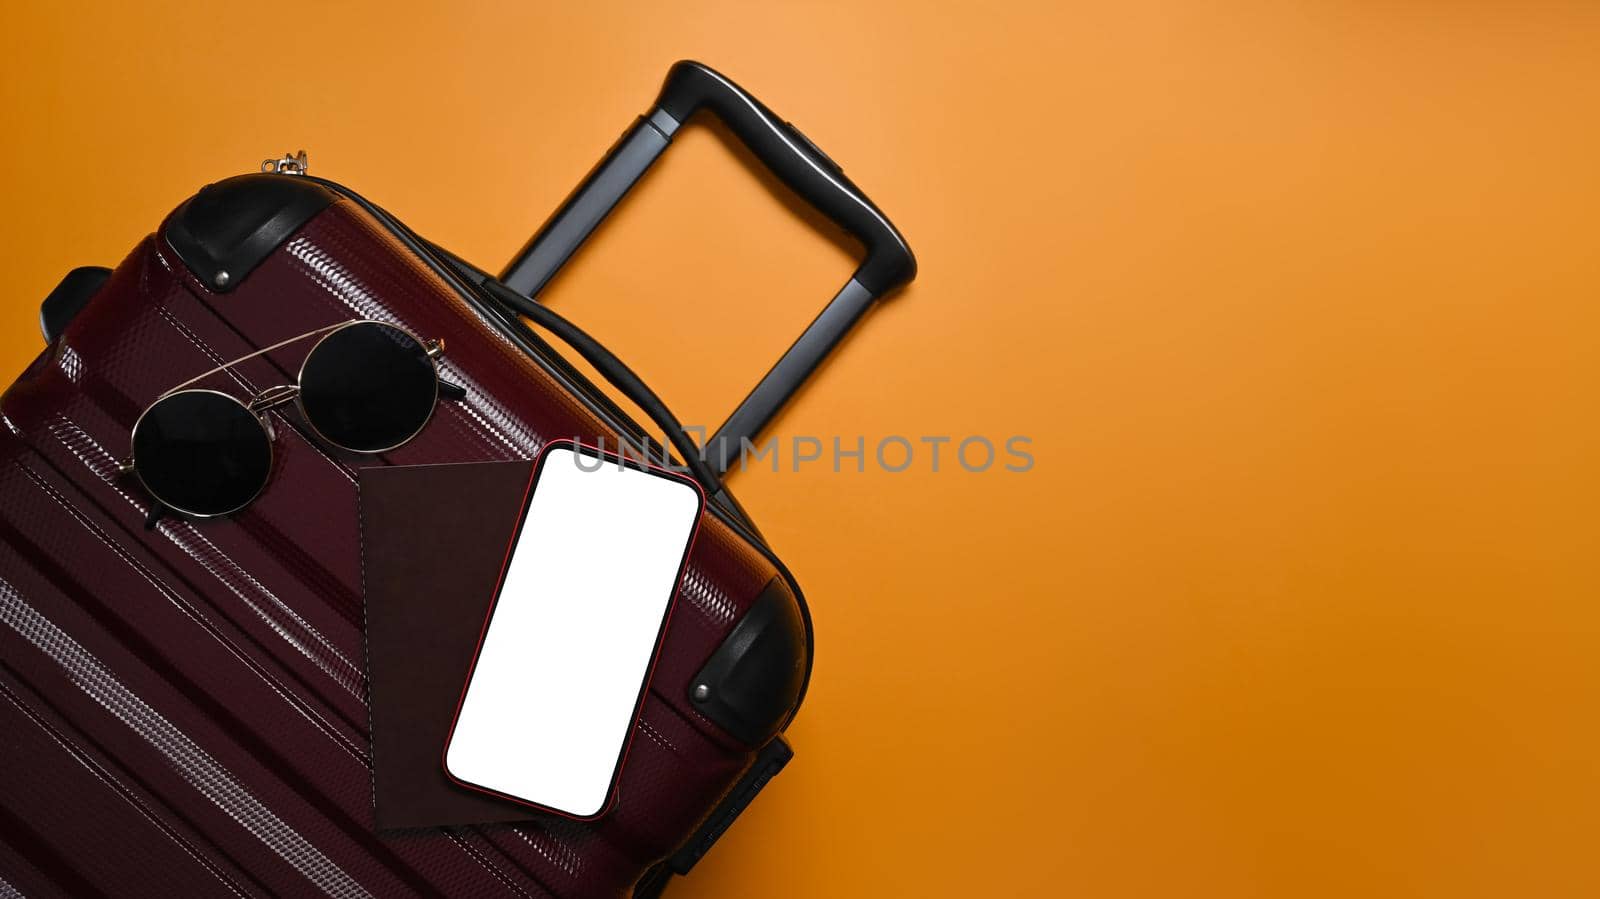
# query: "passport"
(433, 539)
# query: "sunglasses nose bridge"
(272, 398)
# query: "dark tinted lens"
(368, 387)
(201, 452)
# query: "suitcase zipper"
(298, 164)
(288, 165)
(531, 343)
(612, 414)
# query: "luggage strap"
(769, 761)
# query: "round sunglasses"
(366, 387)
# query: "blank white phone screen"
(569, 643)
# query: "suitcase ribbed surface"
(183, 710)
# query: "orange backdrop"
(1297, 303)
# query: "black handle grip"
(797, 162)
(781, 147)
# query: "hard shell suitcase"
(182, 702)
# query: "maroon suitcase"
(183, 702)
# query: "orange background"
(1297, 303)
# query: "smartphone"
(565, 656)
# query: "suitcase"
(182, 702)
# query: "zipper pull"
(288, 165)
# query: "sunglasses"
(366, 387)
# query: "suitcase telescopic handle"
(798, 163)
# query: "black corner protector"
(232, 226)
(769, 761)
(69, 298)
(752, 681)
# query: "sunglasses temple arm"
(264, 350)
(157, 510)
(451, 391)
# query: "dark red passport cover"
(433, 540)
